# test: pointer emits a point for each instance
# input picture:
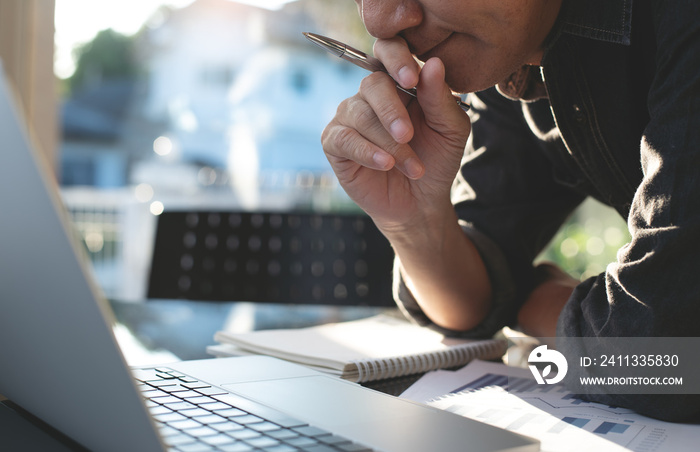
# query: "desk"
(160, 331)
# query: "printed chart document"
(369, 349)
(549, 413)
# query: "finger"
(380, 113)
(398, 60)
(342, 144)
(380, 93)
(438, 102)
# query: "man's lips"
(433, 50)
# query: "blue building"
(240, 89)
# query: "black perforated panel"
(271, 257)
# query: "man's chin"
(464, 84)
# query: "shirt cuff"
(503, 303)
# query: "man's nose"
(387, 18)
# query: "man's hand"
(396, 156)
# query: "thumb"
(438, 103)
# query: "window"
(216, 104)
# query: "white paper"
(550, 413)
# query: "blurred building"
(226, 112)
(93, 128)
(239, 88)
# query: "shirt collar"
(605, 20)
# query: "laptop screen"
(60, 360)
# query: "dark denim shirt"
(620, 122)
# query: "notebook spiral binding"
(379, 369)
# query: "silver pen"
(361, 59)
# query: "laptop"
(61, 364)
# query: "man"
(598, 98)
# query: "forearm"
(539, 314)
(443, 271)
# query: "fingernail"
(406, 77)
(413, 168)
(399, 130)
(383, 160)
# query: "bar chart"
(511, 399)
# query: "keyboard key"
(165, 400)
(201, 431)
(210, 419)
(301, 441)
(230, 412)
(194, 384)
(179, 406)
(332, 439)
(353, 447)
(282, 434)
(185, 377)
(167, 431)
(320, 448)
(151, 393)
(199, 400)
(246, 433)
(164, 376)
(218, 440)
(262, 441)
(281, 448)
(195, 447)
(246, 419)
(186, 424)
(236, 447)
(263, 427)
(187, 394)
(214, 406)
(157, 409)
(169, 417)
(171, 389)
(176, 440)
(311, 431)
(210, 391)
(226, 427)
(194, 412)
(161, 383)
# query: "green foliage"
(109, 55)
(589, 241)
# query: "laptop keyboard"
(193, 416)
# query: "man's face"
(481, 42)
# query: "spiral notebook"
(369, 349)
